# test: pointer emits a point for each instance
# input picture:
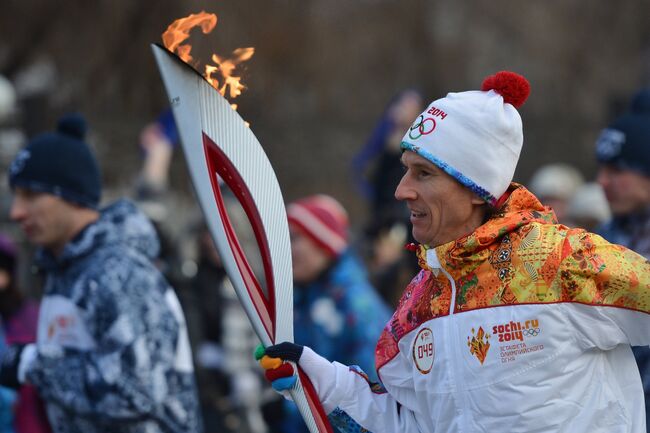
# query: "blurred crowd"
(347, 275)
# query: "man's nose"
(603, 178)
(17, 210)
(404, 190)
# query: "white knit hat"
(474, 136)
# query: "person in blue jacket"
(336, 310)
(112, 352)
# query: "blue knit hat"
(626, 142)
(59, 163)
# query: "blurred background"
(318, 88)
(323, 72)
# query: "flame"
(220, 74)
(226, 66)
(179, 30)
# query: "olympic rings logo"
(422, 126)
(531, 332)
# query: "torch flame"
(179, 30)
(223, 67)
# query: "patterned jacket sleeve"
(608, 287)
(130, 372)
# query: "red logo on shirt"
(517, 330)
(59, 324)
(423, 351)
(479, 344)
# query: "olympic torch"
(219, 145)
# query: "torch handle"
(310, 406)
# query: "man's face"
(44, 218)
(627, 191)
(309, 260)
(442, 210)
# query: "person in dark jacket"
(623, 152)
(112, 352)
(376, 171)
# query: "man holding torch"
(514, 323)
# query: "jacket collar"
(521, 208)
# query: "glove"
(279, 361)
(281, 374)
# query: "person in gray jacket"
(112, 351)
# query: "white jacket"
(555, 365)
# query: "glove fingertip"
(285, 370)
(284, 383)
(259, 352)
(269, 363)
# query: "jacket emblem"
(423, 350)
(479, 344)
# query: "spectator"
(381, 149)
(623, 151)
(555, 185)
(19, 320)
(151, 193)
(230, 386)
(588, 208)
(336, 310)
(112, 352)
(387, 231)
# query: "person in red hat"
(514, 323)
(337, 311)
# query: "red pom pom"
(513, 87)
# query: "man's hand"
(280, 373)
(280, 362)
(16, 361)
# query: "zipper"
(436, 267)
(455, 352)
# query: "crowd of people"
(135, 327)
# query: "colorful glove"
(281, 374)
